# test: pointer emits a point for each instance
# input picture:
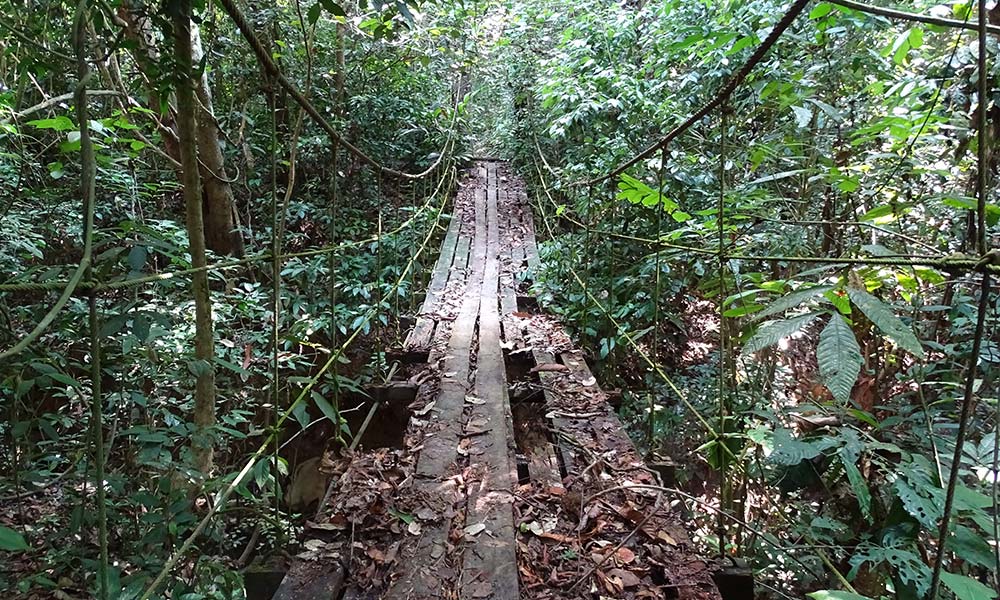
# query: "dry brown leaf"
(624, 556)
(666, 537)
(549, 367)
(627, 578)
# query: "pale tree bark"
(221, 234)
(187, 129)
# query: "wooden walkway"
(510, 435)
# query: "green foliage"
(883, 318)
(11, 541)
(772, 332)
(850, 141)
(838, 356)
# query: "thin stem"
(963, 423)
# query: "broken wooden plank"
(490, 565)
(312, 580)
(426, 325)
(422, 577)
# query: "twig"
(907, 16)
(655, 509)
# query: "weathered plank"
(312, 580)
(530, 244)
(422, 578)
(490, 566)
(422, 331)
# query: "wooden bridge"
(516, 478)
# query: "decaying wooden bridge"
(516, 478)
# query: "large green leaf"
(967, 588)
(789, 450)
(908, 566)
(772, 332)
(882, 316)
(858, 484)
(839, 357)
(970, 546)
(794, 299)
(11, 540)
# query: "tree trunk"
(221, 234)
(188, 134)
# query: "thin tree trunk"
(221, 234)
(204, 400)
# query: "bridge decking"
(510, 434)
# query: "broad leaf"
(11, 541)
(794, 299)
(966, 588)
(858, 485)
(835, 595)
(839, 357)
(883, 318)
(789, 450)
(772, 332)
(325, 407)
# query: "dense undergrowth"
(398, 106)
(813, 393)
(810, 389)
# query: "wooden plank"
(549, 379)
(423, 331)
(441, 269)
(517, 249)
(439, 450)
(312, 580)
(508, 286)
(530, 244)
(490, 565)
(423, 578)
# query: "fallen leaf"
(627, 578)
(314, 545)
(474, 400)
(475, 529)
(325, 526)
(427, 514)
(625, 556)
(549, 367)
(482, 589)
(558, 537)
(414, 528)
(664, 536)
(426, 409)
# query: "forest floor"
(514, 477)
